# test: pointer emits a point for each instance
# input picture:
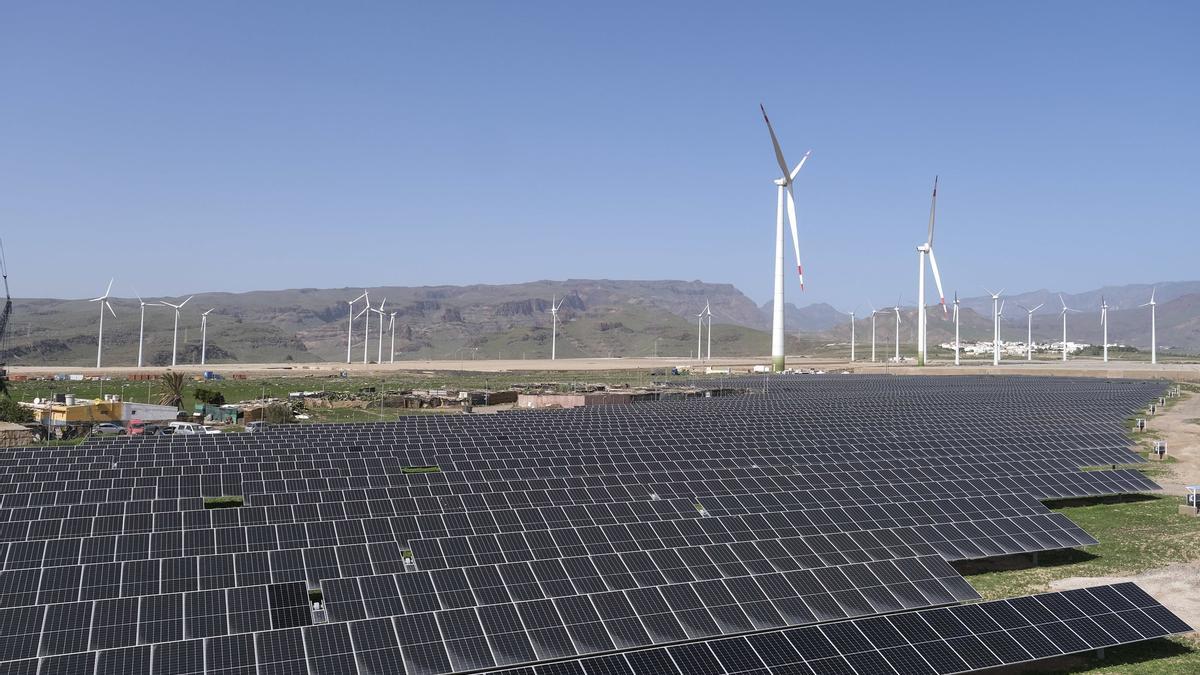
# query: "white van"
(187, 428)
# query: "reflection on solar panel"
(803, 525)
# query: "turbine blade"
(109, 289)
(796, 171)
(110, 309)
(186, 301)
(775, 141)
(791, 209)
(937, 278)
(1038, 307)
(932, 212)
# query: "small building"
(14, 435)
(69, 411)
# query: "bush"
(209, 396)
(278, 413)
(10, 411)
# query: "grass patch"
(422, 469)
(1136, 533)
(1154, 657)
(222, 502)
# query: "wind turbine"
(392, 327)
(1065, 309)
(204, 334)
(350, 323)
(957, 344)
(104, 304)
(700, 331)
(1104, 324)
(367, 328)
(555, 303)
(175, 334)
(1029, 330)
(997, 309)
(851, 336)
(1153, 333)
(379, 310)
(785, 191)
(897, 310)
(922, 250)
(708, 311)
(141, 327)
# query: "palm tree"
(172, 388)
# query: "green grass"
(1137, 533)
(228, 502)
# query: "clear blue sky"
(235, 146)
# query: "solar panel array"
(805, 525)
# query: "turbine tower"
(1104, 324)
(1153, 333)
(785, 193)
(700, 331)
(708, 313)
(392, 327)
(922, 251)
(103, 300)
(350, 324)
(379, 310)
(141, 328)
(957, 344)
(1029, 330)
(175, 334)
(1064, 311)
(897, 310)
(555, 303)
(367, 328)
(364, 311)
(204, 335)
(996, 311)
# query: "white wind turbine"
(957, 344)
(997, 309)
(555, 303)
(1153, 328)
(922, 251)
(350, 323)
(708, 311)
(365, 311)
(786, 193)
(175, 334)
(367, 328)
(379, 310)
(104, 304)
(204, 335)
(1104, 324)
(897, 310)
(851, 336)
(1064, 311)
(141, 327)
(1029, 330)
(700, 331)
(392, 327)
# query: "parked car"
(256, 426)
(136, 427)
(210, 430)
(186, 428)
(108, 429)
